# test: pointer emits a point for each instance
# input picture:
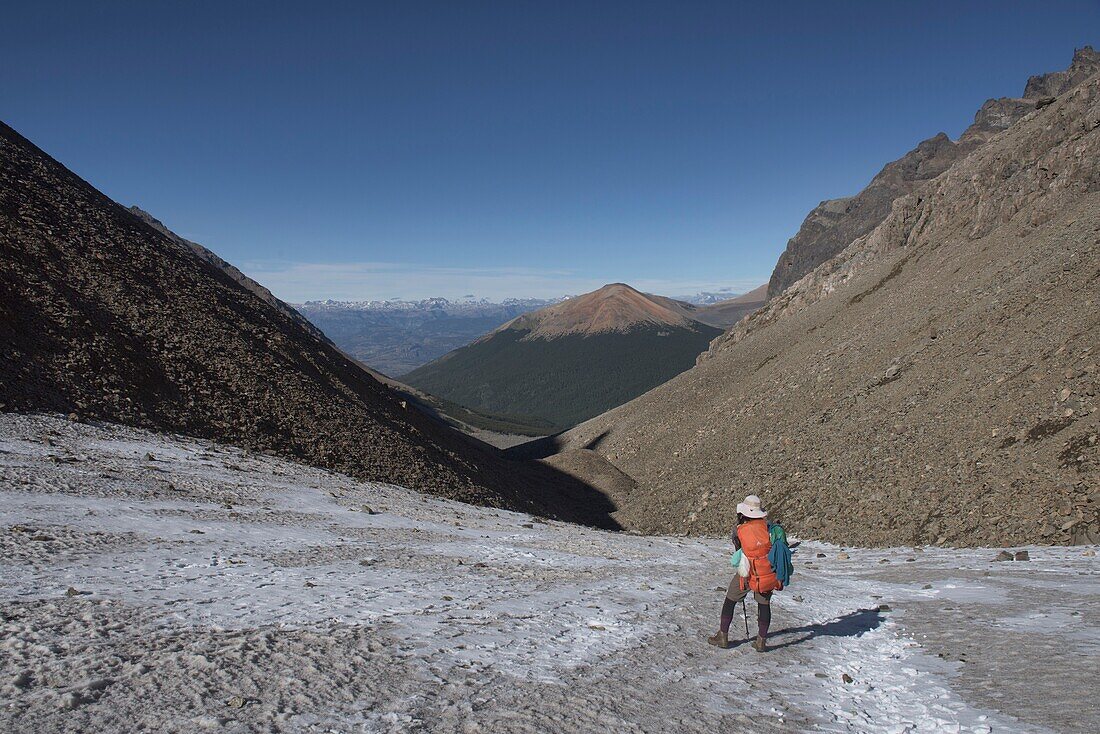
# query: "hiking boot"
(759, 644)
(720, 640)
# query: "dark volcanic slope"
(573, 360)
(102, 314)
(938, 381)
(836, 223)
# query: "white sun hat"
(751, 507)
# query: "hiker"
(753, 539)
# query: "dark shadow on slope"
(594, 444)
(540, 448)
(852, 624)
(574, 500)
(563, 380)
(546, 446)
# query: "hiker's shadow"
(852, 624)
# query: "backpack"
(755, 542)
(780, 554)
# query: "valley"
(107, 317)
(574, 360)
(246, 507)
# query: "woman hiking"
(752, 538)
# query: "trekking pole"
(745, 609)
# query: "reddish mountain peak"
(614, 307)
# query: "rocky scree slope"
(104, 316)
(835, 223)
(229, 269)
(935, 383)
(573, 360)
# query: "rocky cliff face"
(835, 224)
(935, 382)
(107, 318)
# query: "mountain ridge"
(398, 336)
(835, 223)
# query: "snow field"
(170, 584)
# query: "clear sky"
(409, 149)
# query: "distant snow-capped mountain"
(706, 298)
(462, 305)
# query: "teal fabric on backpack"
(780, 555)
(777, 533)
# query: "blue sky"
(408, 149)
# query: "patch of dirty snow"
(171, 584)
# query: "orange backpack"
(756, 542)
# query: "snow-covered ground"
(152, 583)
